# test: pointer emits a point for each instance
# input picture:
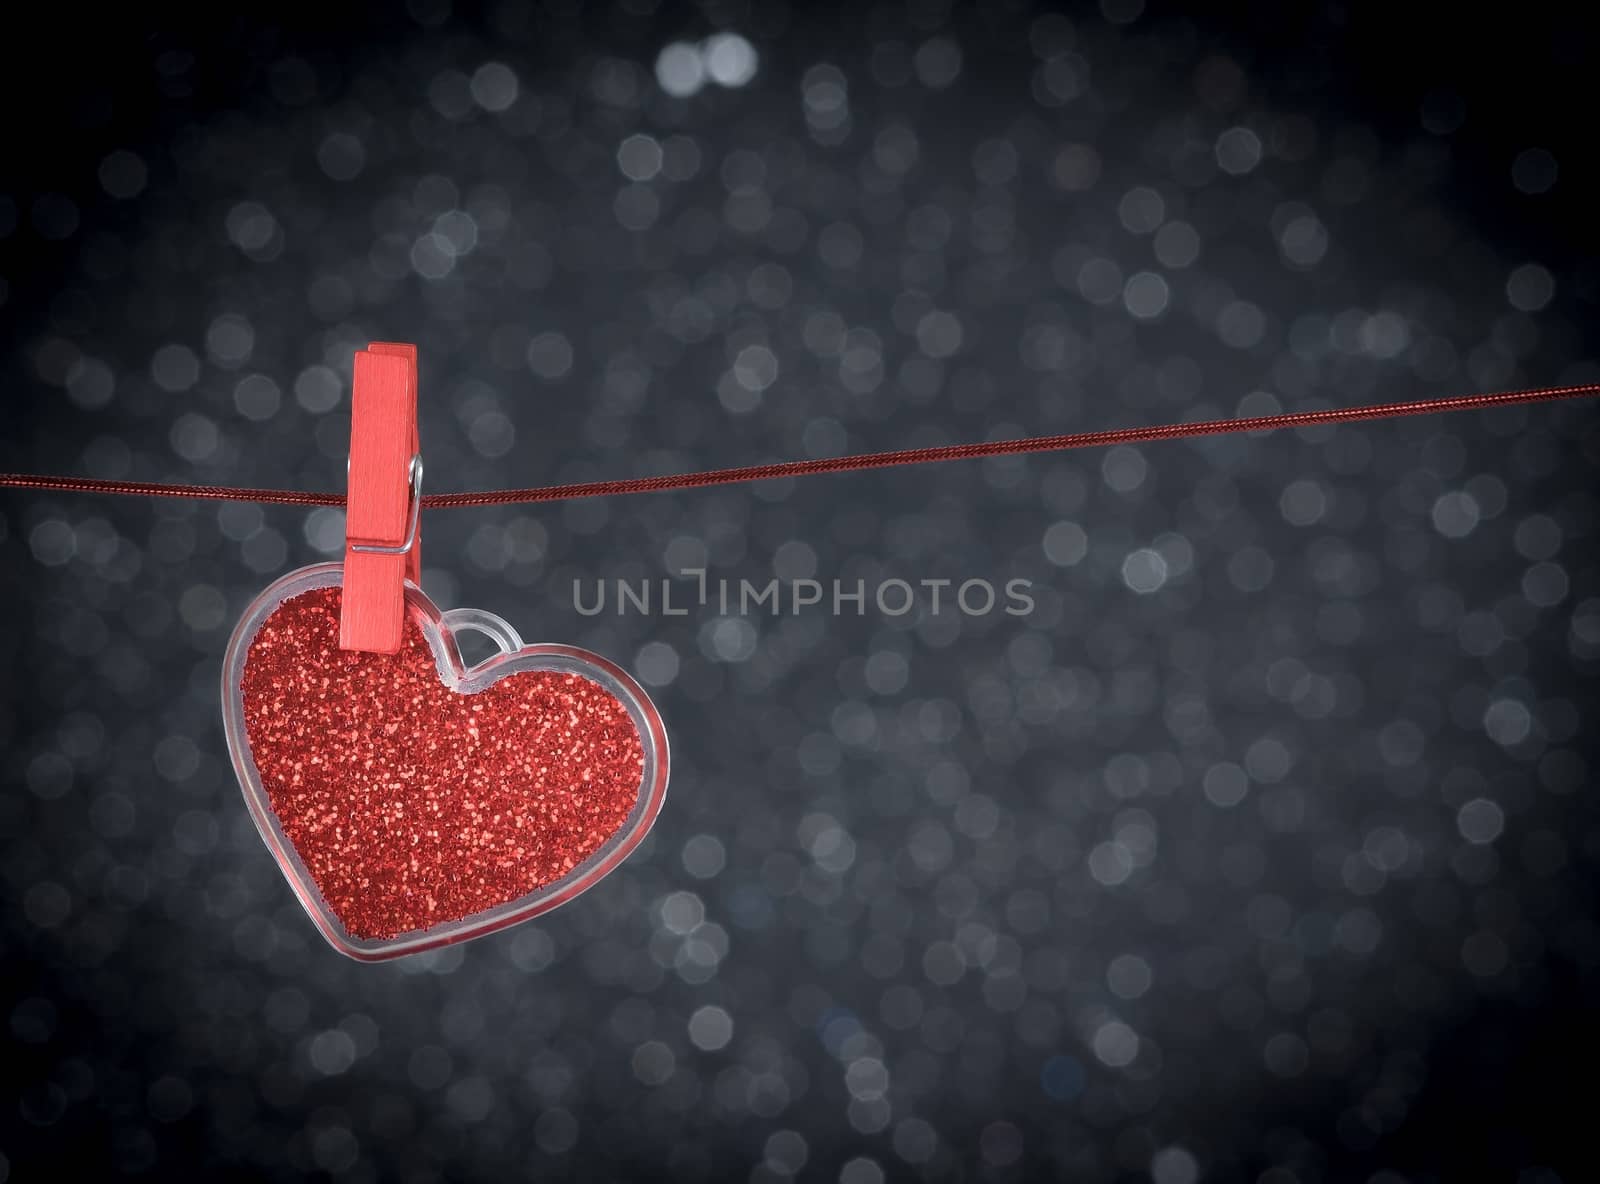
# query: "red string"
(838, 464)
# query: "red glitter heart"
(419, 803)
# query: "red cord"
(838, 464)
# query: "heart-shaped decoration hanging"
(413, 801)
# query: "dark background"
(1387, 628)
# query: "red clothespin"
(381, 550)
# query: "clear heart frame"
(440, 630)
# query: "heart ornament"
(413, 801)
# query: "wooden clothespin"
(381, 549)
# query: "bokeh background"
(1265, 849)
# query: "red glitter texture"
(412, 804)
